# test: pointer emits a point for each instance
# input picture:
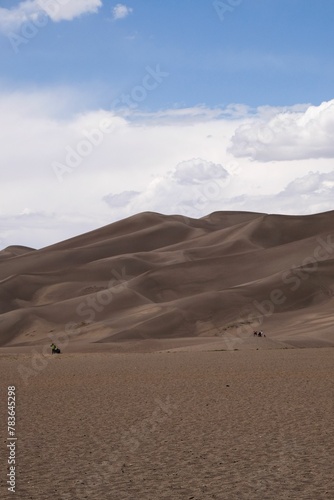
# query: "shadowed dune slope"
(14, 251)
(154, 276)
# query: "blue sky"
(236, 93)
(264, 52)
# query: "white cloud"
(290, 134)
(120, 11)
(189, 115)
(175, 161)
(69, 9)
(191, 188)
(46, 227)
(121, 199)
(196, 171)
(11, 19)
(310, 193)
(33, 10)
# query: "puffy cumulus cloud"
(196, 171)
(66, 10)
(290, 134)
(11, 19)
(312, 183)
(120, 11)
(308, 194)
(57, 10)
(315, 191)
(192, 188)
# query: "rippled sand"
(181, 425)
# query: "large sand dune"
(153, 276)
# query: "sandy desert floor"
(246, 424)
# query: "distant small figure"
(259, 334)
(54, 349)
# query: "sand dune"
(153, 276)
